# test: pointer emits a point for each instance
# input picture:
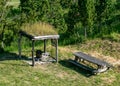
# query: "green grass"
(113, 37)
(15, 72)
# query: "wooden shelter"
(34, 38)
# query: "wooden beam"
(81, 65)
(56, 50)
(44, 46)
(33, 60)
(29, 36)
(46, 37)
(19, 45)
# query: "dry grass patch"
(118, 68)
(108, 59)
(41, 67)
(68, 49)
(62, 74)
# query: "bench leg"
(102, 68)
(76, 58)
(81, 60)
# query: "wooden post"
(76, 58)
(85, 32)
(56, 50)
(19, 45)
(33, 60)
(44, 45)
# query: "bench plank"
(91, 59)
(81, 65)
(92, 70)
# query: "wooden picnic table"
(102, 65)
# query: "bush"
(45, 11)
(112, 37)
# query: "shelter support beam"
(44, 45)
(56, 50)
(19, 45)
(33, 60)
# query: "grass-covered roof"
(39, 29)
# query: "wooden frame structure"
(33, 39)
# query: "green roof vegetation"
(39, 29)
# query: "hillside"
(17, 72)
(89, 26)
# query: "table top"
(91, 59)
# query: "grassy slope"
(17, 72)
(14, 72)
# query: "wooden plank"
(56, 50)
(91, 59)
(44, 45)
(93, 70)
(33, 60)
(46, 37)
(38, 37)
(19, 45)
(81, 65)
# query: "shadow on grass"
(11, 56)
(67, 64)
(4, 56)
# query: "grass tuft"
(113, 37)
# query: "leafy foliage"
(73, 19)
(44, 10)
(9, 23)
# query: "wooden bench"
(102, 66)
